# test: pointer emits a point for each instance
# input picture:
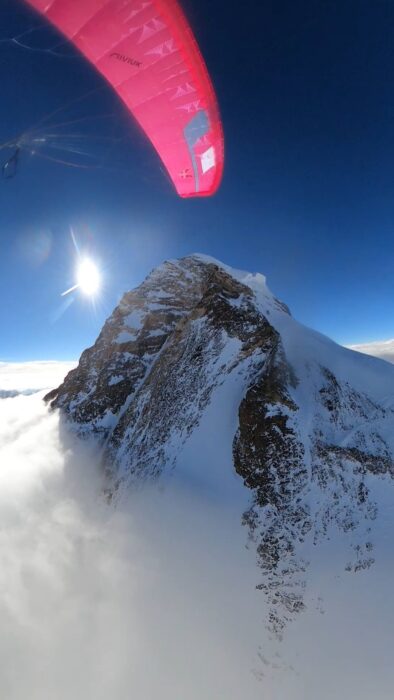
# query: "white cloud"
(380, 348)
(156, 598)
(25, 376)
(153, 599)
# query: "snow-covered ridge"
(201, 375)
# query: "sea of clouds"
(143, 600)
(26, 377)
(154, 598)
(384, 349)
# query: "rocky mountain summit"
(201, 372)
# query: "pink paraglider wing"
(146, 50)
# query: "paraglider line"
(68, 149)
(35, 49)
(63, 107)
(69, 122)
(65, 162)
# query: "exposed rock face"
(305, 441)
(149, 362)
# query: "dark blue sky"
(307, 100)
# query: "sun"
(88, 277)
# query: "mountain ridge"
(201, 372)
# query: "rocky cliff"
(200, 369)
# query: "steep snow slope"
(201, 375)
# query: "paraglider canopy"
(147, 52)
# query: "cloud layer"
(26, 376)
(155, 598)
(381, 348)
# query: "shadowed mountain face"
(201, 374)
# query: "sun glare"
(88, 277)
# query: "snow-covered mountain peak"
(201, 375)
